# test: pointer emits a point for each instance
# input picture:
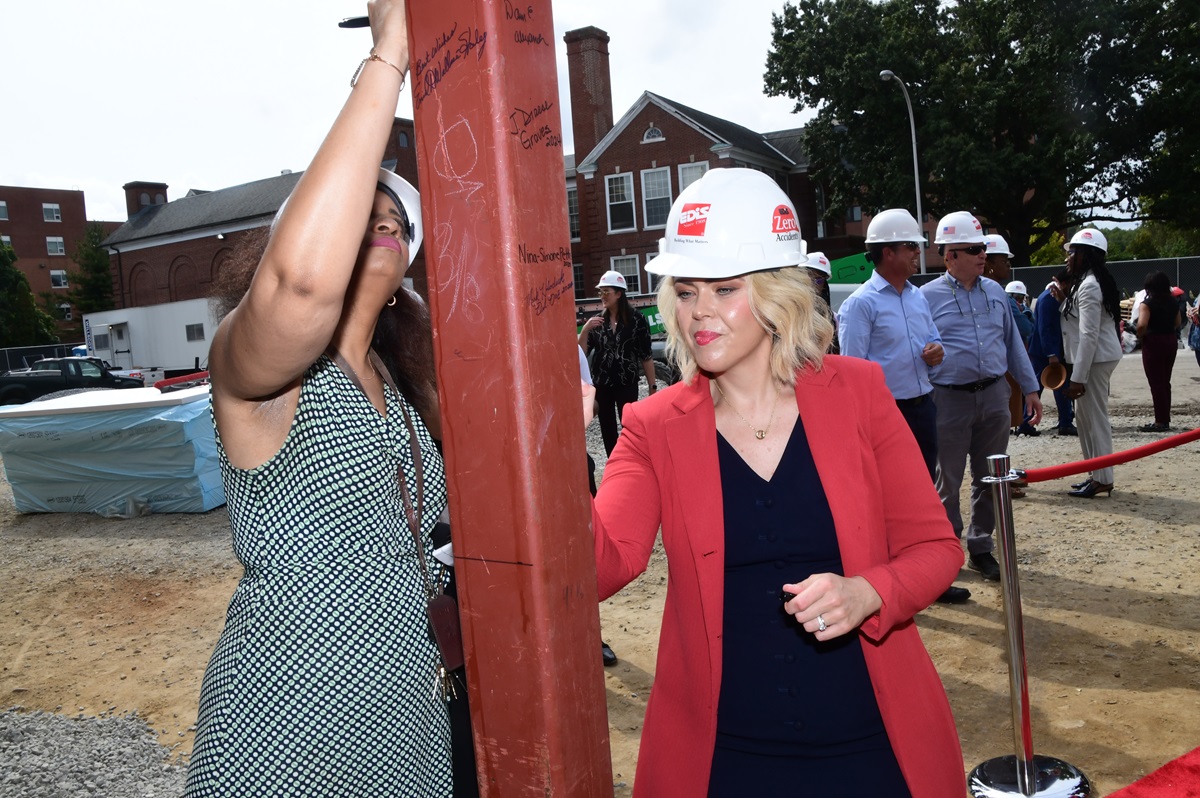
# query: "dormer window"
(653, 134)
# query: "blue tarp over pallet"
(122, 454)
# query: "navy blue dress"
(796, 716)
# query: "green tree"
(1122, 244)
(22, 322)
(1051, 253)
(1026, 110)
(91, 286)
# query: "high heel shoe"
(1090, 490)
(1083, 484)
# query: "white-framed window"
(573, 211)
(628, 266)
(100, 341)
(6, 241)
(854, 214)
(652, 280)
(653, 133)
(3, 210)
(64, 311)
(620, 202)
(581, 290)
(656, 197)
(55, 245)
(691, 172)
(58, 278)
(195, 332)
(51, 212)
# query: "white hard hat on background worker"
(818, 262)
(959, 227)
(727, 223)
(894, 226)
(996, 245)
(613, 279)
(1091, 237)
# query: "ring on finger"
(821, 623)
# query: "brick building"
(624, 176)
(44, 226)
(171, 251)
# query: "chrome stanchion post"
(1024, 774)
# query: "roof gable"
(721, 132)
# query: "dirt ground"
(104, 615)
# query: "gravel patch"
(45, 755)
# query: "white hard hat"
(959, 227)
(411, 200)
(612, 279)
(404, 193)
(818, 261)
(729, 222)
(1090, 236)
(894, 226)
(996, 245)
(1016, 287)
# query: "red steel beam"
(498, 259)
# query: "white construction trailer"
(166, 340)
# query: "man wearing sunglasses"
(887, 320)
(981, 343)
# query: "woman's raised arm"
(295, 301)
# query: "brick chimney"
(139, 194)
(591, 88)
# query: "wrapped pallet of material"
(114, 453)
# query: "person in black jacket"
(619, 341)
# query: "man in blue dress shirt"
(1046, 346)
(981, 343)
(887, 320)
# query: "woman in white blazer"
(1092, 346)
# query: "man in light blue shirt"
(887, 320)
(981, 343)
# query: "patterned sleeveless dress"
(323, 681)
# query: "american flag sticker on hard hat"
(948, 230)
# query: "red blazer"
(891, 530)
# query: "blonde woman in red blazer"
(743, 326)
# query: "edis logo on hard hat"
(784, 224)
(693, 219)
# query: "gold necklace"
(758, 433)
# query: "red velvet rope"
(1116, 458)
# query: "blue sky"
(217, 93)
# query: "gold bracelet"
(374, 57)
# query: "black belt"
(972, 387)
(914, 402)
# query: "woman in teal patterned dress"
(324, 679)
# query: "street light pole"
(885, 76)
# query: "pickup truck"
(58, 374)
